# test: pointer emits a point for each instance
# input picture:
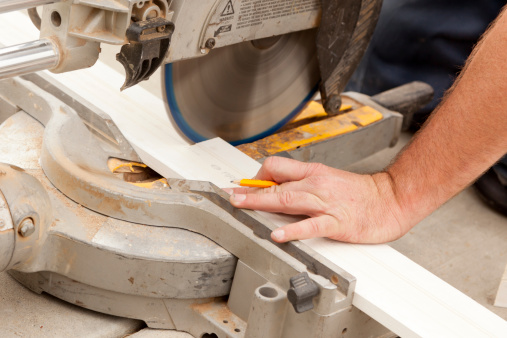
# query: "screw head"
(160, 29)
(26, 227)
(210, 43)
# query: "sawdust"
(91, 221)
(21, 141)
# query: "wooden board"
(393, 290)
(501, 295)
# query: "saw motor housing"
(200, 25)
(77, 28)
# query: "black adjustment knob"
(301, 292)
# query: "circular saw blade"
(243, 92)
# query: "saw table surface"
(463, 243)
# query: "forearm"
(463, 138)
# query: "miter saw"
(238, 69)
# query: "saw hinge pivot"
(149, 42)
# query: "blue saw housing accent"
(196, 137)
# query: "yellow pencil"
(254, 183)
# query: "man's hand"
(462, 139)
(341, 205)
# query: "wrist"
(393, 203)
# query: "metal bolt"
(210, 43)
(160, 29)
(26, 228)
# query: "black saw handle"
(406, 99)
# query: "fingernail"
(229, 191)
(278, 235)
(238, 198)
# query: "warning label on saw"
(228, 10)
(254, 12)
(235, 21)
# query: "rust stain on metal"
(217, 310)
(114, 203)
(323, 129)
